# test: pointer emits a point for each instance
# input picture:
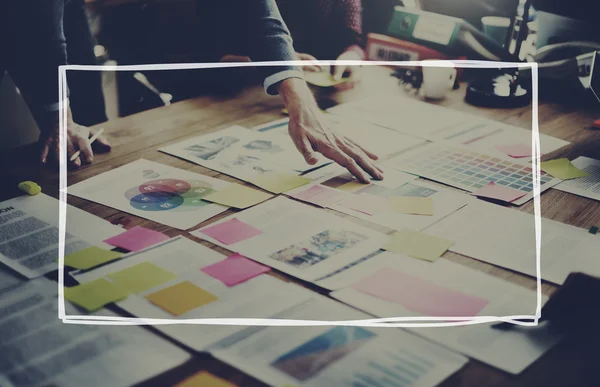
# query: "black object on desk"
(503, 89)
(574, 308)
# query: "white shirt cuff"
(274, 79)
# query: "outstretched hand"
(312, 134)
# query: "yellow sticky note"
(352, 186)
(278, 182)
(94, 295)
(322, 79)
(417, 245)
(562, 169)
(204, 379)
(141, 277)
(411, 205)
(237, 196)
(181, 298)
(90, 257)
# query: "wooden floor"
(571, 363)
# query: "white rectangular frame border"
(394, 322)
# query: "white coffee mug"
(438, 80)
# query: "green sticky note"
(278, 182)
(237, 196)
(593, 230)
(90, 257)
(411, 205)
(94, 295)
(352, 186)
(322, 79)
(417, 245)
(562, 169)
(141, 277)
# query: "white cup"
(438, 80)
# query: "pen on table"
(91, 140)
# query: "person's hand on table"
(311, 133)
(77, 139)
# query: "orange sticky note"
(181, 298)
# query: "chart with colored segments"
(169, 194)
(470, 170)
(154, 191)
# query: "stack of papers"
(438, 124)
(381, 141)
(45, 351)
(338, 356)
(397, 202)
(297, 239)
(507, 238)
(29, 229)
(183, 280)
(242, 153)
(406, 287)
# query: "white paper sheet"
(338, 356)
(588, 186)
(242, 153)
(396, 183)
(154, 191)
(300, 240)
(506, 238)
(511, 351)
(439, 124)
(260, 297)
(45, 351)
(29, 233)
(414, 118)
(381, 141)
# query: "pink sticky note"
(136, 239)
(495, 191)
(231, 231)
(419, 295)
(366, 203)
(516, 151)
(235, 269)
(319, 195)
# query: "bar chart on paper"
(395, 368)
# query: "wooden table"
(139, 136)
